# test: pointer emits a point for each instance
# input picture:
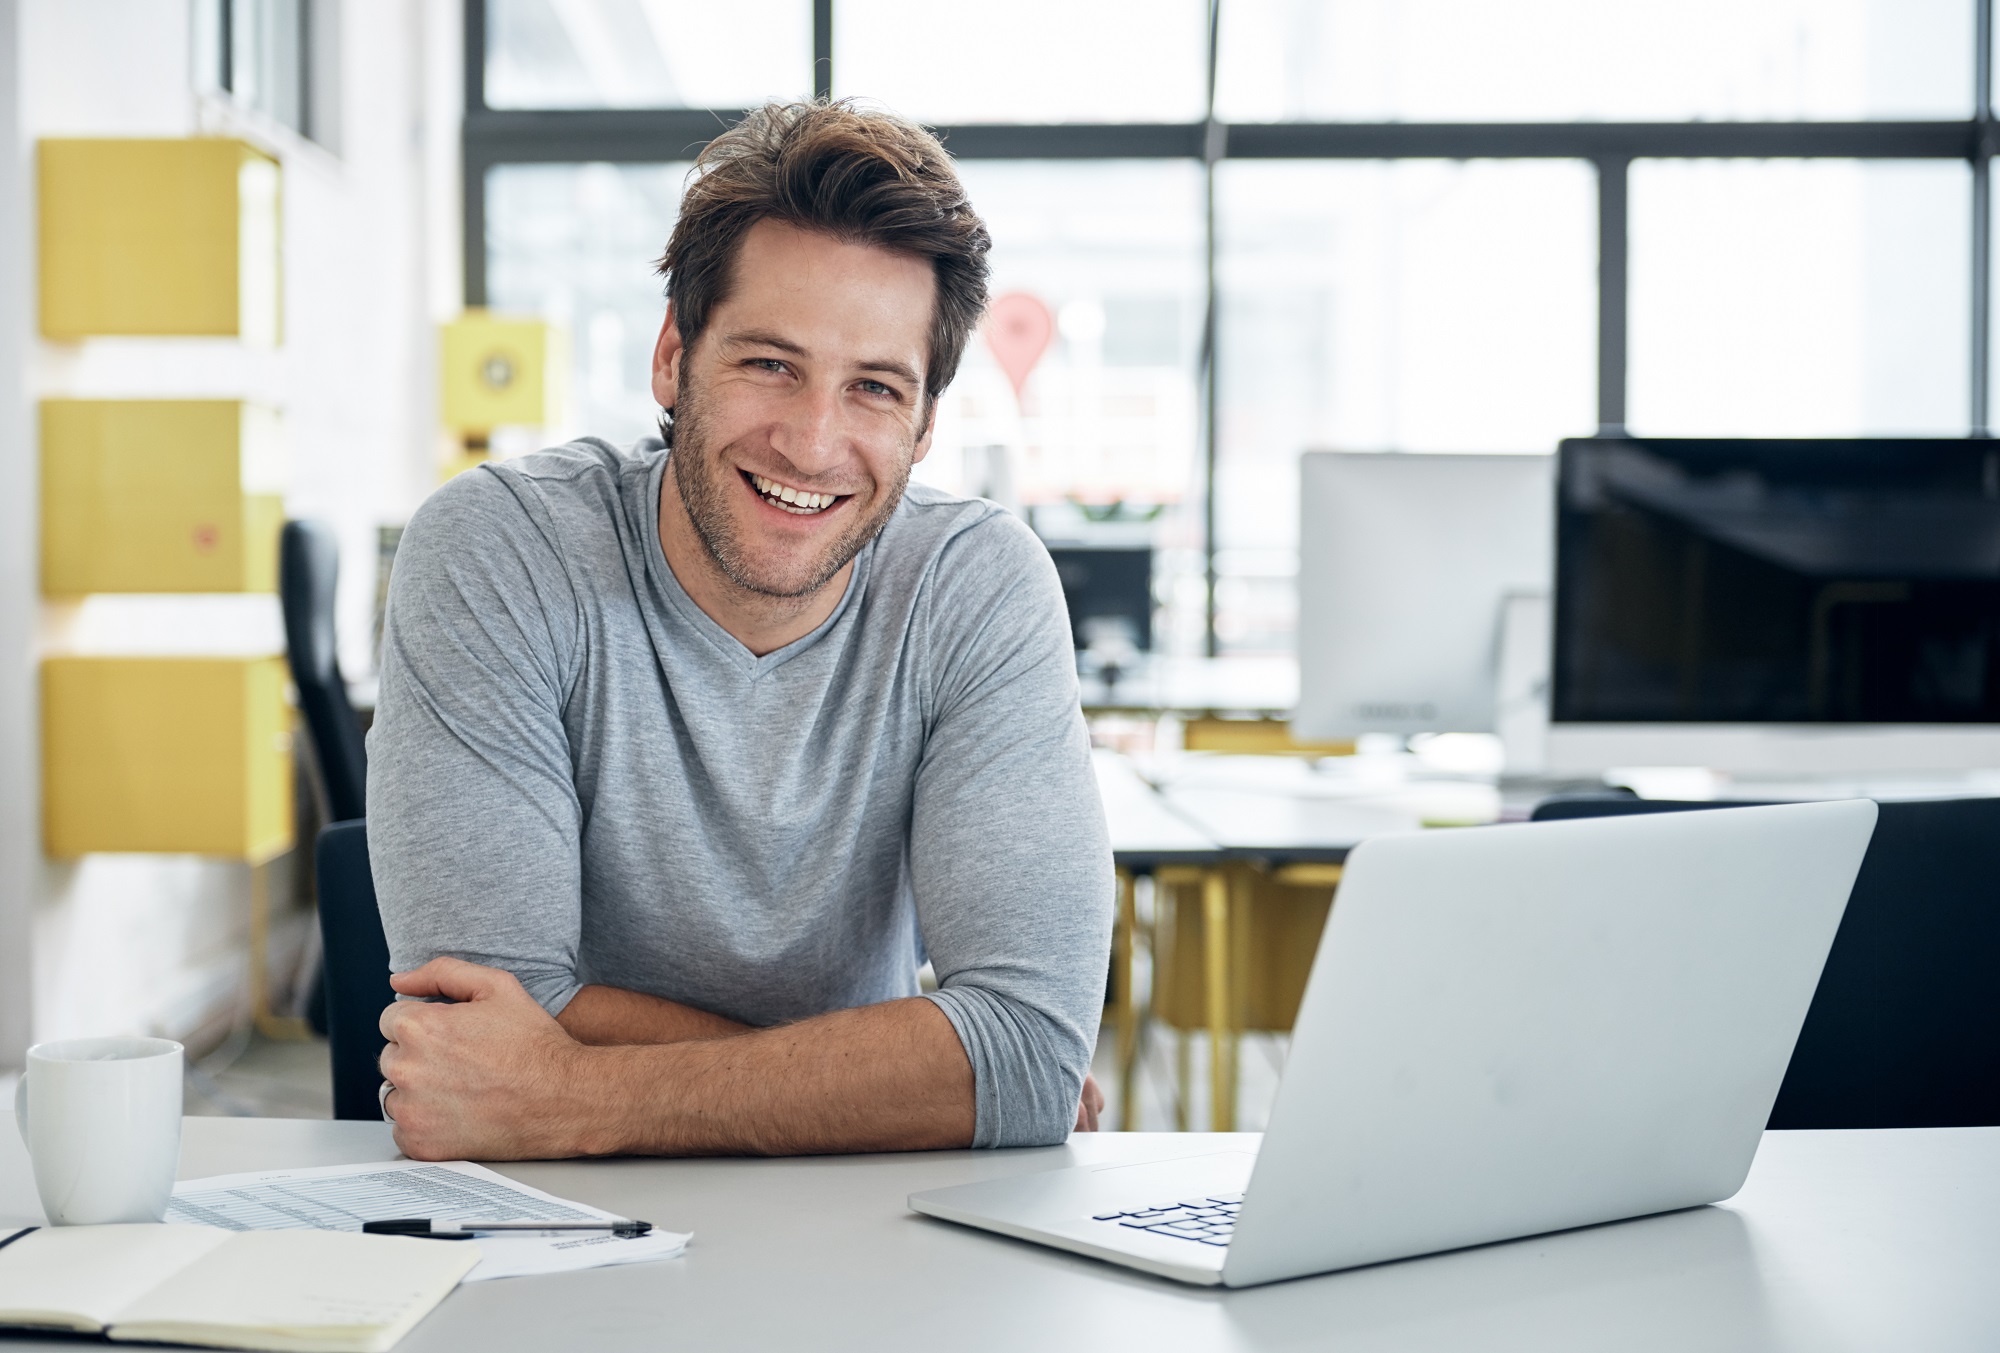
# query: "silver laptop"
(1508, 1030)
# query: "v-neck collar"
(732, 649)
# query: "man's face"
(800, 409)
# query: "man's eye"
(877, 388)
(767, 363)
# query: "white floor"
(255, 1077)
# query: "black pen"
(450, 1228)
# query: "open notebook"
(312, 1291)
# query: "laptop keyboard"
(1206, 1221)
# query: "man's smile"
(798, 502)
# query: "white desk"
(1144, 831)
(1841, 1241)
(1264, 686)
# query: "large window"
(1558, 60)
(1417, 305)
(1257, 227)
(1046, 61)
(1800, 297)
(574, 244)
(279, 59)
(645, 53)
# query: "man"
(681, 750)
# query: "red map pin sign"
(1018, 329)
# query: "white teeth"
(796, 501)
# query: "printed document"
(341, 1197)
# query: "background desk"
(1841, 1241)
(1264, 688)
(1218, 825)
(1288, 839)
(1148, 837)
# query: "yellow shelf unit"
(166, 754)
(159, 237)
(160, 495)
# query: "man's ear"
(930, 428)
(666, 362)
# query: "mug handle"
(21, 1104)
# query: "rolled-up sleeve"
(1010, 860)
(472, 806)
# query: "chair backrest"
(357, 967)
(1610, 803)
(1904, 1029)
(308, 570)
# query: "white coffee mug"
(102, 1120)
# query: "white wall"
(18, 798)
(159, 943)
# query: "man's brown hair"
(859, 175)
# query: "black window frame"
(493, 137)
(316, 116)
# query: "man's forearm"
(605, 1016)
(890, 1077)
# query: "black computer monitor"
(1844, 593)
(1107, 588)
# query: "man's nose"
(809, 433)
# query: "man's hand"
(1090, 1106)
(491, 1077)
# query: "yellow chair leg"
(1221, 1041)
(1183, 1079)
(1124, 937)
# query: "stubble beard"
(706, 486)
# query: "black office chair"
(1904, 1030)
(308, 569)
(357, 968)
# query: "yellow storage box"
(498, 372)
(159, 237)
(180, 755)
(160, 495)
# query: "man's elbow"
(1044, 1108)
(1028, 1063)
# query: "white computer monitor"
(1407, 562)
(1777, 607)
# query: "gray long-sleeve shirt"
(577, 775)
